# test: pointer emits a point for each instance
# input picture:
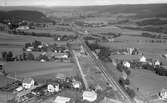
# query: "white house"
(30, 48)
(89, 96)
(157, 63)
(53, 87)
(163, 94)
(20, 88)
(58, 38)
(60, 99)
(131, 50)
(28, 83)
(23, 28)
(126, 64)
(76, 84)
(40, 46)
(42, 60)
(50, 88)
(143, 59)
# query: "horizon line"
(46, 6)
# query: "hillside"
(140, 10)
(137, 11)
(24, 15)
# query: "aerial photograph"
(83, 51)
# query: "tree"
(36, 44)
(123, 82)
(104, 53)
(4, 55)
(119, 67)
(130, 92)
(27, 45)
(30, 56)
(10, 56)
(24, 56)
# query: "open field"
(32, 69)
(149, 84)
(93, 76)
(50, 31)
(15, 43)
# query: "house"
(42, 60)
(76, 84)
(40, 46)
(20, 88)
(163, 94)
(28, 83)
(126, 64)
(143, 59)
(23, 28)
(130, 51)
(53, 87)
(60, 56)
(58, 39)
(90, 96)
(60, 99)
(29, 49)
(157, 63)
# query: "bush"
(130, 92)
(123, 82)
(30, 56)
(148, 67)
(119, 67)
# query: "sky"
(74, 2)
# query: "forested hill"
(24, 15)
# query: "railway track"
(113, 82)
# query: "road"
(80, 69)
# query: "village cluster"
(39, 51)
(44, 52)
(30, 90)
